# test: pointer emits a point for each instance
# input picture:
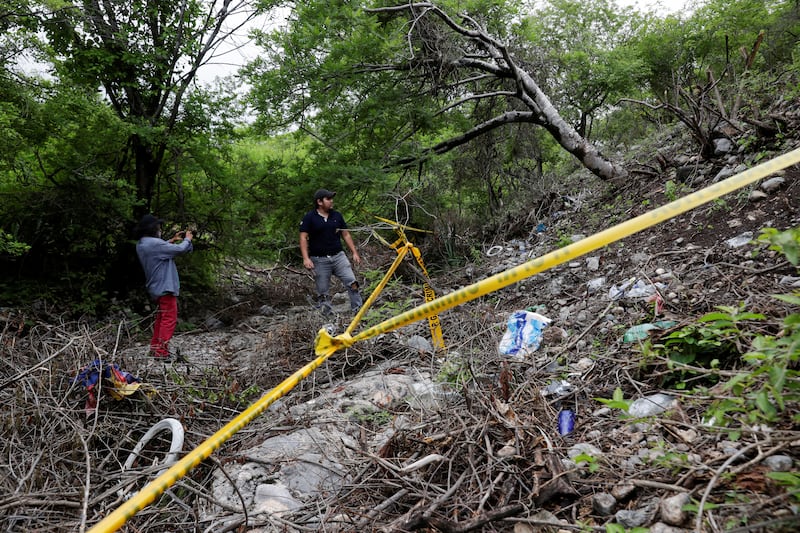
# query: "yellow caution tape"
(397, 225)
(155, 488)
(435, 325)
(326, 344)
(402, 246)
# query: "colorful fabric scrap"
(117, 382)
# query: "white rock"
(672, 509)
(271, 498)
(652, 405)
(772, 184)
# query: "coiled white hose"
(175, 447)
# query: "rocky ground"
(392, 435)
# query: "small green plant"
(563, 240)
(749, 142)
(772, 379)
(769, 385)
(675, 462)
(387, 309)
(375, 419)
(372, 278)
(673, 190)
(475, 255)
(786, 242)
(185, 325)
(694, 507)
(762, 154)
(589, 460)
(718, 204)
(791, 480)
(617, 401)
(455, 371)
(716, 338)
(216, 388)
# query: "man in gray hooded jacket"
(157, 257)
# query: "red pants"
(164, 326)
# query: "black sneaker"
(178, 356)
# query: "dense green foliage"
(346, 98)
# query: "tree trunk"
(482, 52)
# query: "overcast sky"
(240, 52)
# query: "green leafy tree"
(117, 128)
(584, 56)
(145, 57)
(60, 197)
(395, 85)
(706, 66)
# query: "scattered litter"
(425, 461)
(559, 388)
(740, 240)
(523, 334)
(640, 331)
(794, 281)
(494, 250)
(594, 285)
(566, 422)
(117, 382)
(658, 303)
(175, 428)
(652, 405)
(635, 288)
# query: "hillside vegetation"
(726, 353)
(502, 130)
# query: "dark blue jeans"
(335, 265)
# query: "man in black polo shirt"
(321, 232)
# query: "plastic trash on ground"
(652, 405)
(640, 332)
(523, 334)
(558, 388)
(566, 422)
(117, 382)
(635, 289)
(740, 240)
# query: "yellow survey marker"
(326, 344)
(402, 246)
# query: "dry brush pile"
(493, 458)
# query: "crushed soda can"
(566, 421)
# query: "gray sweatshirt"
(157, 257)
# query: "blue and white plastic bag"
(523, 335)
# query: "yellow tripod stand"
(403, 246)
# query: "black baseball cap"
(323, 193)
(147, 225)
